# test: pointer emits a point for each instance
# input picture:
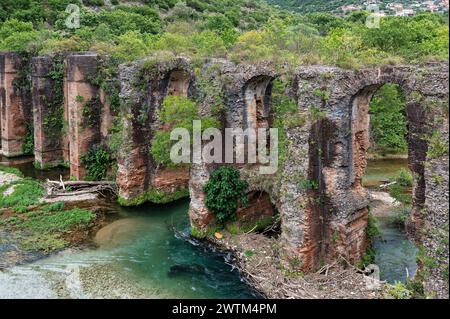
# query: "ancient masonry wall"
(48, 113)
(83, 125)
(68, 114)
(327, 150)
(144, 85)
(15, 104)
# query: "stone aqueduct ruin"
(330, 148)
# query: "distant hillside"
(335, 5)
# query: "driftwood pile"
(76, 188)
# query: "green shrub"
(28, 144)
(97, 161)
(11, 170)
(176, 112)
(404, 178)
(224, 193)
(400, 194)
(399, 291)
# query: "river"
(139, 256)
(395, 254)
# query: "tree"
(388, 121)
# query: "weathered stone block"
(15, 103)
(48, 112)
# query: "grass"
(11, 170)
(27, 192)
(41, 227)
(44, 242)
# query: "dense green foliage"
(97, 161)
(176, 112)
(243, 30)
(225, 191)
(388, 120)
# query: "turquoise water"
(395, 254)
(139, 256)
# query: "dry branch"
(75, 188)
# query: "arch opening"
(387, 155)
(257, 94)
(178, 83)
(259, 214)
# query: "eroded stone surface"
(15, 104)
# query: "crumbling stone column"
(15, 103)
(427, 113)
(247, 92)
(83, 109)
(48, 111)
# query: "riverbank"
(258, 261)
(31, 228)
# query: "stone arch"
(257, 95)
(139, 177)
(336, 160)
(417, 127)
(178, 84)
(259, 209)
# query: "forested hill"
(305, 6)
(240, 30)
(313, 5)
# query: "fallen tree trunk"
(75, 188)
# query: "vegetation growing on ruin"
(53, 123)
(91, 112)
(286, 115)
(28, 144)
(155, 196)
(97, 161)
(372, 231)
(225, 192)
(176, 112)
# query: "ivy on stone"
(97, 161)
(225, 191)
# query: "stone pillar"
(48, 112)
(15, 105)
(81, 94)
